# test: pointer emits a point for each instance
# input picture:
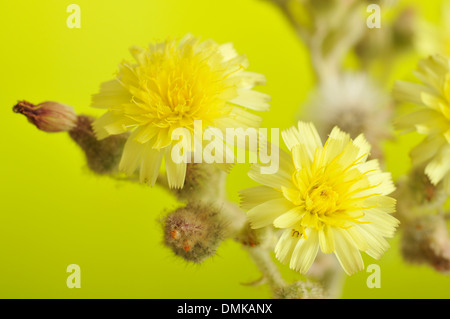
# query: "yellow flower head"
(326, 196)
(434, 37)
(431, 118)
(171, 85)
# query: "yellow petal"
(428, 148)
(408, 92)
(176, 172)
(305, 252)
(383, 222)
(254, 100)
(334, 146)
(376, 243)
(276, 180)
(150, 165)
(292, 195)
(326, 240)
(264, 214)
(285, 246)
(255, 196)
(227, 50)
(309, 137)
(290, 218)
(439, 166)
(358, 239)
(291, 137)
(131, 156)
(346, 252)
(111, 94)
(300, 157)
(111, 123)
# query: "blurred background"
(55, 212)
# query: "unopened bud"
(201, 180)
(426, 240)
(253, 237)
(194, 232)
(415, 193)
(48, 116)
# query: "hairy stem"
(263, 260)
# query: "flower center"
(321, 200)
(327, 194)
(179, 87)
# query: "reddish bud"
(48, 116)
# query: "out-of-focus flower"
(326, 196)
(433, 38)
(171, 85)
(379, 49)
(354, 104)
(384, 3)
(431, 118)
(48, 116)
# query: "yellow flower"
(326, 196)
(434, 37)
(431, 118)
(171, 85)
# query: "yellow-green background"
(54, 212)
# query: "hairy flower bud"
(194, 232)
(426, 240)
(48, 116)
(300, 290)
(249, 236)
(201, 179)
(102, 156)
(415, 192)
